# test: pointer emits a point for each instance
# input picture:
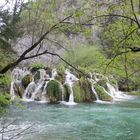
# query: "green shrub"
(4, 103)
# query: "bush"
(4, 103)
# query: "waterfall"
(12, 92)
(53, 74)
(43, 74)
(116, 94)
(29, 90)
(39, 85)
(94, 91)
(16, 76)
(70, 79)
(62, 88)
(106, 91)
(39, 88)
(71, 97)
(92, 87)
(44, 96)
(36, 90)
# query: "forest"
(68, 56)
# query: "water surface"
(94, 121)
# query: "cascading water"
(12, 92)
(70, 79)
(44, 98)
(36, 90)
(116, 94)
(54, 74)
(16, 76)
(96, 94)
(29, 90)
(92, 87)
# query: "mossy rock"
(60, 77)
(48, 71)
(103, 83)
(82, 91)
(67, 92)
(85, 85)
(35, 67)
(38, 96)
(135, 93)
(26, 80)
(79, 94)
(37, 76)
(19, 90)
(102, 94)
(53, 91)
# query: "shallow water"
(117, 121)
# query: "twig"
(136, 19)
(119, 48)
(55, 54)
(134, 72)
(57, 43)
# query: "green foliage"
(87, 58)
(82, 91)
(102, 95)
(38, 66)
(60, 73)
(4, 103)
(5, 79)
(6, 56)
(9, 28)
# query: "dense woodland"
(110, 30)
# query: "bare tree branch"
(136, 19)
(55, 54)
(57, 43)
(21, 58)
(138, 70)
(100, 16)
(120, 53)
